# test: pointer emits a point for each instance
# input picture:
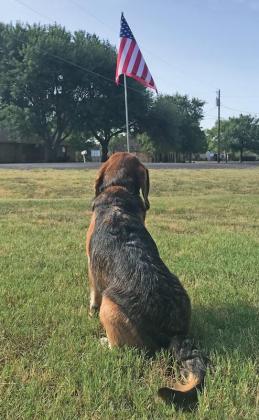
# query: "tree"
(162, 124)
(145, 144)
(62, 85)
(255, 141)
(243, 133)
(237, 134)
(15, 123)
(212, 136)
(173, 124)
(192, 138)
(105, 113)
(34, 82)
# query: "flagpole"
(126, 111)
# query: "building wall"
(29, 153)
(21, 153)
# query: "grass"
(206, 225)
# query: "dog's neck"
(120, 198)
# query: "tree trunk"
(104, 156)
(241, 155)
(50, 154)
(47, 152)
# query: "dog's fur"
(142, 304)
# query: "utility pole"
(218, 105)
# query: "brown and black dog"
(142, 304)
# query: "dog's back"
(125, 257)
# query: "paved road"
(95, 165)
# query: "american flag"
(130, 60)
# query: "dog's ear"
(144, 186)
(99, 181)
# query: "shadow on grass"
(220, 330)
(186, 402)
(228, 328)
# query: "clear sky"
(192, 47)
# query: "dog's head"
(125, 170)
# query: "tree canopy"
(57, 86)
(173, 124)
(238, 134)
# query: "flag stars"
(125, 31)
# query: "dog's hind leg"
(119, 329)
(95, 294)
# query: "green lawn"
(206, 225)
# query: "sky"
(192, 47)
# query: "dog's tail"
(193, 367)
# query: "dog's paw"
(94, 309)
(104, 342)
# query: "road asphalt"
(153, 165)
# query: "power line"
(239, 110)
(32, 9)
(180, 71)
(55, 56)
(208, 116)
(241, 96)
(80, 6)
(70, 62)
(212, 109)
(87, 12)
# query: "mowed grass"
(206, 225)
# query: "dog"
(141, 303)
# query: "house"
(17, 151)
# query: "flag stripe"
(124, 55)
(141, 67)
(130, 60)
(137, 62)
(143, 82)
(128, 57)
(145, 72)
(121, 48)
(133, 58)
(148, 77)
